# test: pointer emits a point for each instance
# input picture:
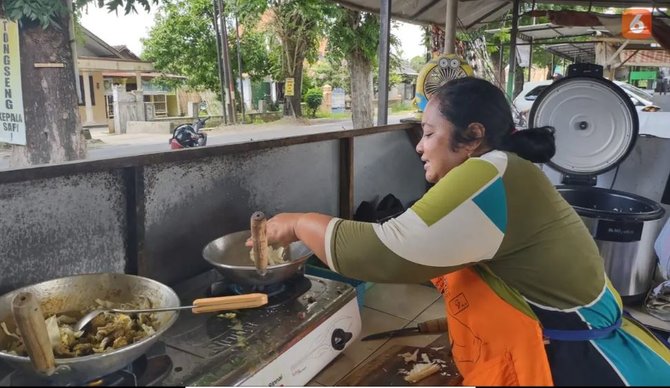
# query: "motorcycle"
(189, 135)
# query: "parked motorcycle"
(189, 135)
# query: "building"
(102, 66)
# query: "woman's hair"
(468, 100)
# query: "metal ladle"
(202, 305)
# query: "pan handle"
(235, 302)
(260, 241)
(30, 322)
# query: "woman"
(527, 298)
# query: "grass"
(404, 107)
(337, 115)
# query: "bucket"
(624, 227)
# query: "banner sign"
(288, 87)
(12, 123)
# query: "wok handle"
(235, 302)
(30, 322)
(260, 241)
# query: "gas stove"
(305, 325)
(307, 322)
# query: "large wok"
(230, 257)
(78, 292)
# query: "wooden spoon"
(260, 241)
(30, 322)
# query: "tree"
(183, 35)
(354, 37)
(332, 72)
(298, 24)
(418, 62)
(53, 128)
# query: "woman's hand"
(280, 229)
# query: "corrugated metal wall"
(153, 214)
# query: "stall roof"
(473, 13)
(470, 13)
(552, 31)
(578, 52)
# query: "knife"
(427, 327)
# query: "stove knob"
(340, 339)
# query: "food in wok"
(275, 255)
(106, 332)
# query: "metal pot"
(78, 292)
(230, 257)
(624, 226)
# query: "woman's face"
(435, 146)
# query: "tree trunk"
(297, 86)
(53, 129)
(518, 80)
(360, 70)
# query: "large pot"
(79, 292)
(624, 226)
(230, 257)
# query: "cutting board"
(382, 369)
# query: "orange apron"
(492, 342)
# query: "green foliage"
(418, 62)
(401, 107)
(257, 60)
(307, 84)
(332, 73)
(313, 98)
(46, 12)
(353, 32)
(298, 24)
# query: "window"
(81, 90)
(159, 101)
(109, 106)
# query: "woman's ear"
(477, 132)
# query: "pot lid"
(595, 121)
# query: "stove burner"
(277, 293)
(150, 369)
(270, 290)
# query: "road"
(104, 145)
(663, 101)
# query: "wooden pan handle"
(235, 302)
(30, 322)
(260, 240)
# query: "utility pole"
(239, 68)
(512, 50)
(226, 61)
(218, 57)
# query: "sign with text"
(12, 124)
(288, 87)
(636, 23)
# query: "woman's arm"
(310, 228)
